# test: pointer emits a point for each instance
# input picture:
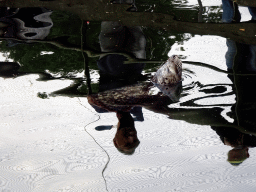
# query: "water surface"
(53, 139)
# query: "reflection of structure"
(247, 52)
(147, 19)
(25, 23)
(244, 54)
(240, 60)
(240, 143)
(9, 69)
(243, 62)
(231, 12)
(115, 37)
(114, 73)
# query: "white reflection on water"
(46, 53)
(205, 49)
(4, 58)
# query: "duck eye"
(174, 56)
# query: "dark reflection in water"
(241, 61)
(119, 89)
(240, 142)
(114, 74)
(25, 23)
(123, 88)
(232, 14)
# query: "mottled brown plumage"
(169, 73)
(167, 79)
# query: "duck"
(167, 81)
(169, 73)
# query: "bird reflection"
(126, 139)
(114, 74)
(119, 87)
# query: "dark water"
(79, 111)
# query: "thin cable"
(105, 167)
(89, 92)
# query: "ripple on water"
(2, 182)
(197, 87)
(181, 176)
(189, 82)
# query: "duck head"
(169, 73)
(168, 78)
